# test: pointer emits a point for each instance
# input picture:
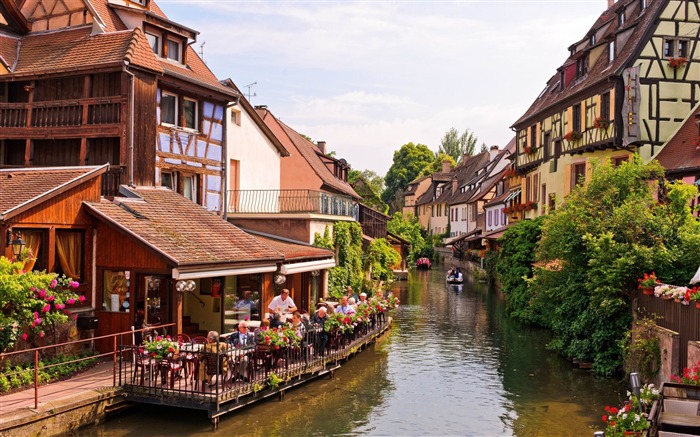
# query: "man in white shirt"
(282, 303)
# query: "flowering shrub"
(677, 62)
(423, 262)
(530, 205)
(279, 337)
(601, 123)
(689, 376)
(648, 280)
(627, 417)
(32, 303)
(572, 135)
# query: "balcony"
(290, 202)
(20, 120)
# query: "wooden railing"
(61, 113)
(373, 222)
(111, 180)
(290, 202)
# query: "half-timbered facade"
(111, 81)
(625, 88)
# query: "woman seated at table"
(207, 368)
(297, 324)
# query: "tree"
(369, 185)
(409, 162)
(408, 228)
(457, 145)
(436, 165)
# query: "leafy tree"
(409, 162)
(607, 234)
(410, 230)
(381, 257)
(436, 165)
(370, 186)
(456, 145)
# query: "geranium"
(280, 337)
(648, 280)
(677, 62)
(689, 376)
(160, 348)
(572, 135)
(601, 123)
(626, 418)
(528, 150)
(339, 322)
(693, 294)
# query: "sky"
(370, 76)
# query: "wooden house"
(127, 89)
(626, 86)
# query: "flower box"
(676, 63)
(573, 135)
(601, 123)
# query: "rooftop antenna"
(249, 86)
(201, 50)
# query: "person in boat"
(451, 271)
(457, 271)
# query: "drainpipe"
(131, 123)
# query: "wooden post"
(36, 379)
(114, 362)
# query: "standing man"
(350, 293)
(282, 303)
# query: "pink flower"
(42, 293)
(50, 298)
(60, 306)
(24, 336)
(46, 308)
(82, 298)
(53, 283)
(36, 314)
(38, 320)
(75, 317)
(41, 334)
(73, 284)
(70, 301)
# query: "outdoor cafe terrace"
(236, 376)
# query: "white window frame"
(194, 187)
(175, 109)
(196, 113)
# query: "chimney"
(493, 151)
(454, 184)
(446, 166)
(321, 146)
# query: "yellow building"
(626, 88)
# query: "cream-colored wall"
(438, 224)
(205, 316)
(257, 155)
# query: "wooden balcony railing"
(111, 180)
(61, 113)
(373, 222)
(290, 202)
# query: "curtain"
(69, 248)
(32, 240)
(114, 284)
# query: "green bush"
(22, 376)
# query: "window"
(488, 219)
(533, 136)
(190, 187)
(154, 41)
(168, 179)
(168, 108)
(464, 214)
(576, 115)
(115, 291)
(621, 18)
(643, 4)
(236, 117)
(605, 106)
(578, 174)
(472, 212)
(189, 110)
(543, 197)
(582, 66)
(611, 51)
(617, 161)
(592, 39)
(173, 50)
(535, 187)
(69, 254)
(675, 48)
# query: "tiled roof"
(76, 49)
(195, 71)
(24, 186)
(109, 17)
(680, 152)
(8, 49)
(180, 230)
(465, 172)
(310, 153)
(295, 251)
(602, 69)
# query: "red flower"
(605, 418)
(614, 410)
(347, 320)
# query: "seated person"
(363, 298)
(242, 338)
(282, 303)
(276, 320)
(344, 307)
(213, 346)
(298, 325)
(320, 337)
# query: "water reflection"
(452, 364)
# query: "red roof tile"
(109, 17)
(180, 230)
(25, 186)
(680, 152)
(195, 71)
(8, 50)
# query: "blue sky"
(370, 76)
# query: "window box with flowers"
(530, 205)
(572, 135)
(601, 123)
(529, 150)
(677, 63)
(510, 172)
(647, 283)
(693, 295)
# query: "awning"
(307, 266)
(210, 273)
(512, 195)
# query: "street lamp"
(17, 243)
(636, 384)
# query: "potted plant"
(572, 135)
(527, 150)
(679, 294)
(676, 63)
(625, 421)
(601, 123)
(693, 295)
(161, 347)
(690, 376)
(648, 282)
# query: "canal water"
(452, 364)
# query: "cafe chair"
(210, 363)
(142, 365)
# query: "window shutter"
(589, 171)
(567, 179)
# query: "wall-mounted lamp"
(315, 273)
(17, 243)
(280, 279)
(183, 286)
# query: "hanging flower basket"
(601, 123)
(677, 63)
